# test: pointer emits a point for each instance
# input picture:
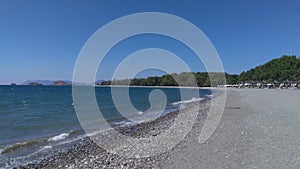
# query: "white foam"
(118, 123)
(93, 133)
(187, 101)
(59, 137)
(140, 113)
(130, 123)
(209, 95)
(47, 147)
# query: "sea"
(37, 121)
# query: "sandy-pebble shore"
(260, 128)
(88, 154)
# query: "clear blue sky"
(42, 39)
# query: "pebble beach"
(259, 129)
(87, 154)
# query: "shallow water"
(37, 119)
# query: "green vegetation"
(281, 69)
(174, 79)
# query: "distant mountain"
(48, 82)
(41, 82)
(280, 69)
(62, 83)
(57, 83)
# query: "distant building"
(263, 84)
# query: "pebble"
(87, 154)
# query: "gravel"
(260, 128)
(88, 154)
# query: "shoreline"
(256, 126)
(87, 154)
(12, 157)
(176, 87)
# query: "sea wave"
(209, 96)
(59, 137)
(32, 150)
(46, 147)
(20, 145)
(188, 101)
(16, 146)
(125, 123)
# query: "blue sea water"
(36, 119)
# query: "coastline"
(87, 154)
(133, 86)
(35, 146)
(257, 126)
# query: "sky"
(42, 39)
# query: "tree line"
(174, 79)
(281, 69)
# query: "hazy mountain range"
(56, 82)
